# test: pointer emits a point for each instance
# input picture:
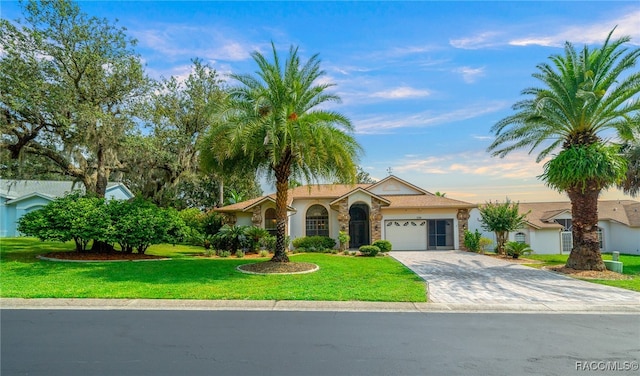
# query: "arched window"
(270, 220)
(317, 221)
(520, 237)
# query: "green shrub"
(72, 217)
(240, 254)
(134, 224)
(314, 243)
(344, 239)
(231, 238)
(517, 249)
(264, 253)
(484, 243)
(255, 235)
(139, 223)
(472, 240)
(369, 250)
(268, 243)
(384, 245)
(223, 253)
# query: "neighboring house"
(392, 209)
(548, 229)
(19, 197)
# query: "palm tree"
(584, 95)
(277, 123)
(631, 183)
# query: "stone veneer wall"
(256, 217)
(463, 225)
(375, 219)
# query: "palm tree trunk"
(280, 254)
(282, 172)
(585, 254)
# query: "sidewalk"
(293, 305)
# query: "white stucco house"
(548, 226)
(392, 209)
(19, 197)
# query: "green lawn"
(186, 277)
(631, 267)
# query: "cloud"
(401, 92)
(595, 33)
(478, 41)
(470, 75)
(555, 36)
(177, 41)
(517, 165)
(391, 122)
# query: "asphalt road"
(124, 342)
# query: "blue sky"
(422, 82)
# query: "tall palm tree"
(277, 123)
(584, 94)
(631, 183)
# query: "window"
(600, 238)
(270, 220)
(566, 224)
(520, 237)
(317, 222)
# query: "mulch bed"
(270, 267)
(584, 274)
(92, 256)
(587, 274)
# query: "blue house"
(19, 197)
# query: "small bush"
(240, 254)
(484, 243)
(264, 253)
(314, 243)
(472, 240)
(344, 239)
(346, 252)
(384, 245)
(516, 249)
(224, 253)
(269, 243)
(369, 250)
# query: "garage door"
(406, 235)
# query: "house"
(392, 209)
(548, 226)
(19, 197)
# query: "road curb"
(311, 306)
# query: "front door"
(359, 226)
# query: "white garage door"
(406, 235)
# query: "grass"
(186, 277)
(631, 267)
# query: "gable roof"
(400, 181)
(335, 192)
(247, 205)
(16, 190)
(360, 189)
(543, 214)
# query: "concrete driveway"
(470, 278)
